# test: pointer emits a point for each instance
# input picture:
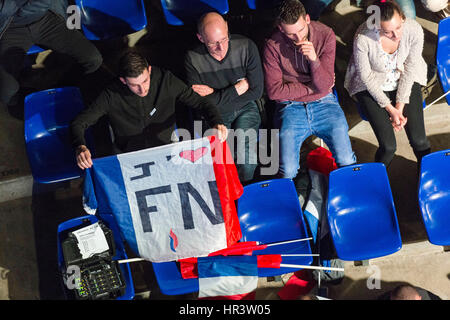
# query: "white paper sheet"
(91, 240)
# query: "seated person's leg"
(331, 125)
(9, 86)
(381, 125)
(14, 45)
(246, 127)
(415, 127)
(53, 33)
(294, 129)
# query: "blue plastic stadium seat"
(256, 209)
(109, 221)
(434, 196)
(181, 12)
(262, 4)
(361, 212)
(443, 55)
(35, 49)
(107, 19)
(47, 117)
(269, 212)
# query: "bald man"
(227, 70)
(408, 292)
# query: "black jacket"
(142, 122)
(8, 8)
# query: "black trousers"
(382, 127)
(50, 32)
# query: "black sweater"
(241, 61)
(142, 122)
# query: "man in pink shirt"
(298, 62)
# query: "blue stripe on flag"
(90, 204)
(227, 266)
(108, 176)
(313, 223)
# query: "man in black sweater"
(42, 22)
(226, 69)
(140, 109)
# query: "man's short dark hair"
(132, 64)
(290, 11)
(388, 9)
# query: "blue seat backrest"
(434, 196)
(47, 117)
(443, 55)
(262, 4)
(270, 212)
(181, 12)
(361, 212)
(35, 49)
(106, 19)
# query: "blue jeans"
(248, 120)
(323, 118)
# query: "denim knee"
(289, 168)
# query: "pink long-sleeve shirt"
(289, 75)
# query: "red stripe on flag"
(269, 261)
(229, 186)
(188, 267)
(238, 249)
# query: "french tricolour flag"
(230, 277)
(170, 202)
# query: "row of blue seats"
(360, 210)
(104, 19)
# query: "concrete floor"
(30, 213)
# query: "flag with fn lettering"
(170, 202)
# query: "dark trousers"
(245, 122)
(382, 127)
(50, 32)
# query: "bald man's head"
(405, 292)
(212, 30)
(211, 20)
